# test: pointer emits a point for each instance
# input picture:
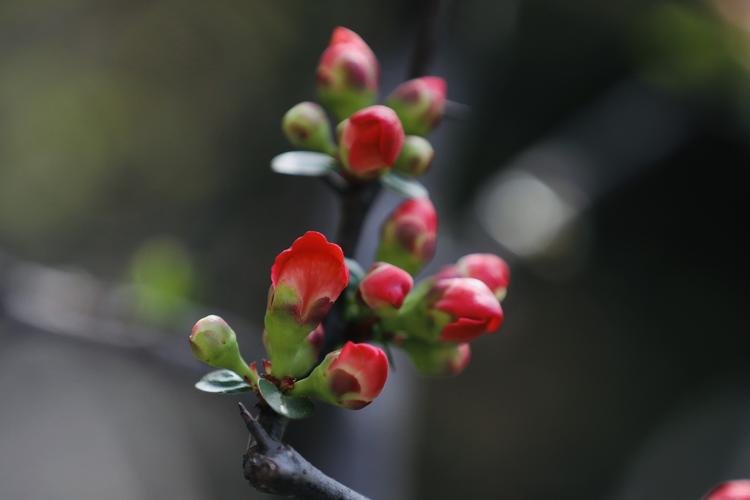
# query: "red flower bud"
(416, 156)
(306, 279)
(351, 377)
(419, 103)
(408, 236)
(465, 308)
(370, 142)
(487, 268)
(738, 489)
(347, 74)
(384, 288)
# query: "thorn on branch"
(262, 439)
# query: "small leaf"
(222, 382)
(287, 406)
(306, 163)
(406, 187)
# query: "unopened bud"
(306, 126)
(350, 377)
(416, 156)
(370, 141)
(419, 103)
(347, 74)
(384, 288)
(214, 342)
(407, 239)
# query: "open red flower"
(371, 140)
(408, 236)
(419, 103)
(471, 308)
(347, 73)
(486, 267)
(307, 278)
(738, 489)
(384, 287)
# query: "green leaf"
(287, 406)
(307, 163)
(222, 382)
(406, 187)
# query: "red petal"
(463, 330)
(314, 269)
(469, 299)
(367, 363)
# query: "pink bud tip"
(487, 268)
(436, 85)
(385, 286)
(345, 35)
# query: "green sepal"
(430, 358)
(315, 385)
(290, 353)
(415, 320)
(345, 102)
(285, 338)
(391, 250)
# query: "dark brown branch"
(274, 467)
(426, 43)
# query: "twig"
(274, 467)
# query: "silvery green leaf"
(307, 163)
(222, 382)
(405, 186)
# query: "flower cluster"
(433, 320)
(306, 279)
(372, 139)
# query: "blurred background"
(602, 156)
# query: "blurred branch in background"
(75, 304)
(534, 205)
